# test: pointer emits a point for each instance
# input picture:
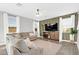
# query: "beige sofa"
(3, 50)
(23, 35)
(24, 49)
(21, 47)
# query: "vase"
(71, 38)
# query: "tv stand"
(53, 35)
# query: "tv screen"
(50, 27)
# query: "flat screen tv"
(51, 27)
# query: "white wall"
(60, 29)
(26, 25)
(5, 19)
(78, 33)
(1, 29)
(36, 25)
(18, 24)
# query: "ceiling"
(47, 10)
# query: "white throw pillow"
(31, 34)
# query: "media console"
(53, 35)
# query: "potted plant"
(73, 32)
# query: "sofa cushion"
(29, 43)
(21, 45)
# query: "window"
(11, 24)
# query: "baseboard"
(68, 41)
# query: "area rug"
(49, 48)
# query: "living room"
(40, 29)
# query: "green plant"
(73, 31)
